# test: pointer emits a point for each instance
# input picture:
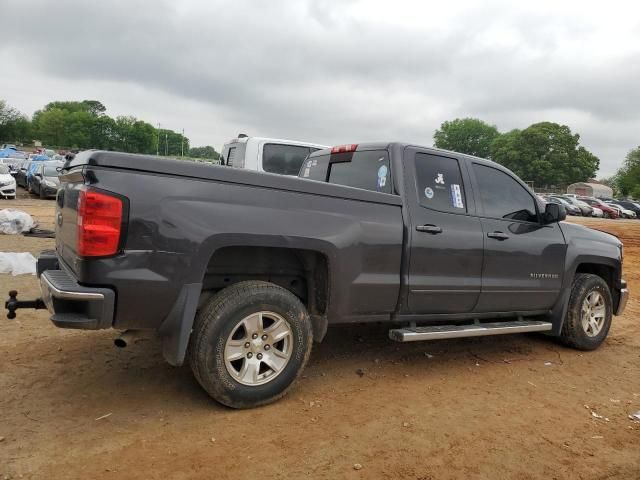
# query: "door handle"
(432, 229)
(498, 235)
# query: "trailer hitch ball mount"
(13, 304)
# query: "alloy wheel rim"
(258, 348)
(593, 313)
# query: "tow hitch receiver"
(13, 304)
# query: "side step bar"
(435, 332)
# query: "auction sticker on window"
(456, 196)
(428, 192)
(382, 176)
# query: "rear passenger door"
(523, 259)
(445, 236)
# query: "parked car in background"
(13, 164)
(45, 182)
(624, 212)
(629, 205)
(570, 208)
(7, 183)
(586, 209)
(271, 155)
(32, 169)
(597, 212)
(21, 174)
(608, 211)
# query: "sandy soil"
(510, 407)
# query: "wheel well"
(604, 271)
(303, 272)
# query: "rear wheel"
(250, 343)
(589, 313)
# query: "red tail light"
(344, 148)
(99, 224)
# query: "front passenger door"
(523, 259)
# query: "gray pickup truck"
(240, 272)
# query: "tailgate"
(66, 216)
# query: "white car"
(7, 183)
(623, 212)
(596, 212)
(270, 155)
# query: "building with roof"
(590, 189)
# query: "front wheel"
(250, 343)
(589, 313)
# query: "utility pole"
(158, 143)
(166, 144)
(182, 145)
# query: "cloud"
(334, 71)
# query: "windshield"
(3, 169)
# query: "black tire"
(573, 333)
(216, 322)
(41, 193)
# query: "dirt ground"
(505, 407)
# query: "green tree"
(133, 135)
(102, 133)
(546, 153)
(172, 143)
(49, 126)
(14, 126)
(466, 135)
(628, 176)
(204, 152)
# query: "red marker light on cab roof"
(344, 148)
(99, 224)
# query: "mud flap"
(559, 312)
(176, 328)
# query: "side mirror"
(553, 213)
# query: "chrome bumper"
(73, 305)
(624, 297)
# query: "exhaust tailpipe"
(126, 338)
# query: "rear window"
(51, 171)
(284, 159)
(369, 170)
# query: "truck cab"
(271, 155)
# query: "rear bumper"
(73, 305)
(624, 297)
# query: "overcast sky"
(333, 72)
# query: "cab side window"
(503, 197)
(439, 183)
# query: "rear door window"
(284, 159)
(439, 183)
